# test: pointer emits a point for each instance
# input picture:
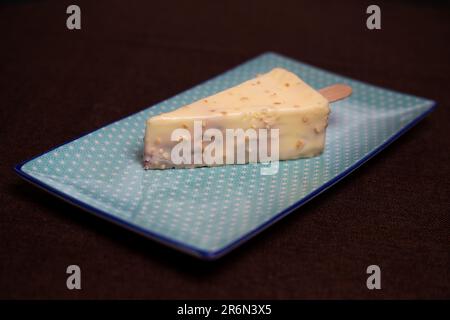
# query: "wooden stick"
(336, 92)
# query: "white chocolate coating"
(275, 100)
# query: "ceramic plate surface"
(209, 211)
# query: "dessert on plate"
(277, 101)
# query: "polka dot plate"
(207, 212)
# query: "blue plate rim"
(183, 247)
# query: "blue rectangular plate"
(207, 212)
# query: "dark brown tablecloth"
(57, 84)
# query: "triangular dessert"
(275, 100)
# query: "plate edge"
(213, 255)
(325, 186)
(179, 246)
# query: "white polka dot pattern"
(207, 210)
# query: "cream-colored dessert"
(275, 100)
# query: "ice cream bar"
(278, 102)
